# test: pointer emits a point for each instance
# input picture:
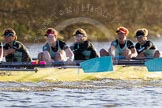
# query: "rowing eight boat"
(101, 64)
(28, 66)
(62, 71)
(71, 74)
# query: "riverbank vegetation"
(100, 18)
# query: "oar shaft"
(129, 63)
(134, 58)
(56, 64)
(18, 69)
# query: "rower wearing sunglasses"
(54, 49)
(82, 48)
(144, 47)
(121, 47)
(13, 50)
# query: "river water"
(104, 93)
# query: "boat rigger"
(102, 64)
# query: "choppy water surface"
(92, 94)
(104, 93)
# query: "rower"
(82, 48)
(55, 50)
(121, 46)
(144, 47)
(13, 50)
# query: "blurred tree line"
(30, 18)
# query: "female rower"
(13, 50)
(121, 47)
(55, 50)
(145, 47)
(82, 48)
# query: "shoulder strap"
(117, 41)
(59, 48)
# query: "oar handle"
(134, 58)
(119, 57)
(142, 58)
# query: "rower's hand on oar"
(141, 55)
(10, 51)
(129, 57)
(127, 54)
(113, 57)
(69, 61)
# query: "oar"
(105, 64)
(154, 65)
(19, 69)
(102, 64)
(134, 58)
